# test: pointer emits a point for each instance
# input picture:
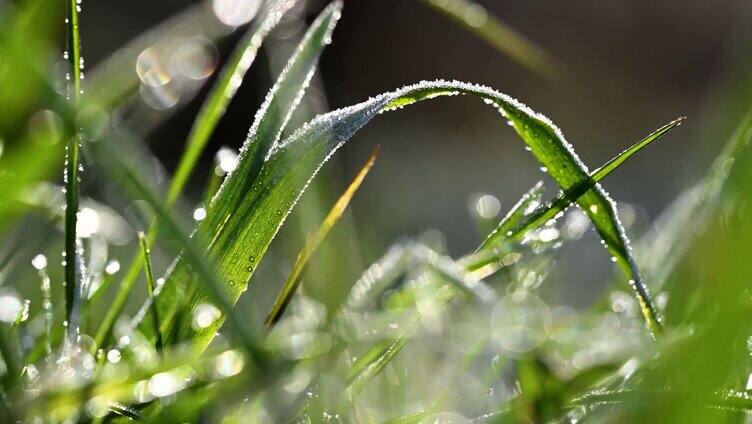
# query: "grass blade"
(72, 273)
(221, 94)
(10, 360)
(235, 202)
(513, 226)
(213, 286)
(150, 289)
(474, 18)
(313, 242)
(323, 136)
(211, 111)
(290, 166)
(272, 117)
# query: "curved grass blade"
(514, 226)
(309, 148)
(313, 242)
(71, 174)
(211, 111)
(474, 18)
(291, 165)
(235, 202)
(145, 251)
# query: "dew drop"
(229, 363)
(199, 214)
(10, 307)
(113, 356)
(112, 267)
(39, 262)
(205, 315)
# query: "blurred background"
(620, 70)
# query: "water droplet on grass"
(487, 206)
(205, 315)
(229, 363)
(10, 307)
(226, 160)
(199, 214)
(235, 12)
(113, 356)
(39, 262)
(112, 267)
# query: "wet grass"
(420, 337)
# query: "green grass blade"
(728, 400)
(272, 117)
(220, 96)
(516, 224)
(150, 286)
(313, 241)
(243, 230)
(212, 285)
(211, 111)
(309, 147)
(235, 202)
(10, 359)
(614, 163)
(73, 76)
(474, 18)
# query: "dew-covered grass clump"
(133, 291)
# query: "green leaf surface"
(213, 287)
